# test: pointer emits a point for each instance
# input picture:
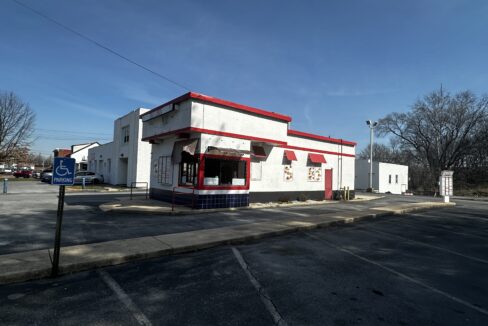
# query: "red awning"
(290, 155)
(316, 158)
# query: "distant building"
(126, 160)
(387, 177)
(80, 153)
(61, 152)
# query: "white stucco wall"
(207, 116)
(81, 156)
(387, 169)
(381, 173)
(171, 120)
(123, 163)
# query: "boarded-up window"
(256, 170)
(165, 171)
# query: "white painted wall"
(381, 174)
(172, 120)
(80, 152)
(128, 162)
(207, 116)
(395, 187)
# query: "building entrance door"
(328, 184)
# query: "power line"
(73, 132)
(106, 48)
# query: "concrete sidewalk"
(24, 266)
(124, 204)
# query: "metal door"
(328, 184)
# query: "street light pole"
(371, 125)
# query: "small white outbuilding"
(387, 177)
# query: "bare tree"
(16, 124)
(441, 130)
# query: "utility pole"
(371, 124)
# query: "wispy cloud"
(73, 105)
(140, 94)
(356, 92)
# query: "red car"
(23, 174)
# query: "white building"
(387, 177)
(80, 153)
(125, 160)
(227, 154)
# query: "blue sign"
(63, 171)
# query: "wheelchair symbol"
(64, 169)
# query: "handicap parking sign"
(63, 171)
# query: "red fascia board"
(321, 138)
(242, 107)
(175, 100)
(240, 136)
(316, 158)
(217, 133)
(167, 133)
(290, 155)
(306, 149)
(218, 101)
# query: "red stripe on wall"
(240, 136)
(218, 101)
(317, 151)
(322, 138)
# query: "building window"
(188, 170)
(256, 170)
(396, 178)
(165, 173)
(125, 134)
(389, 179)
(219, 172)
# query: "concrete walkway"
(124, 204)
(24, 266)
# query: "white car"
(90, 177)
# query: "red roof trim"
(321, 138)
(317, 151)
(290, 155)
(218, 101)
(316, 158)
(241, 107)
(217, 133)
(228, 134)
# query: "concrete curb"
(19, 267)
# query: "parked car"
(90, 177)
(46, 175)
(36, 174)
(23, 174)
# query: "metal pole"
(5, 185)
(57, 240)
(371, 158)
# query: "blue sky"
(330, 65)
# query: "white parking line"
(408, 278)
(124, 298)
(278, 320)
(441, 227)
(373, 229)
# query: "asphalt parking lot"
(427, 268)
(29, 218)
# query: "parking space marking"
(373, 229)
(400, 274)
(124, 298)
(404, 220)
(265, 298)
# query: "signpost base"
(57, 240)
